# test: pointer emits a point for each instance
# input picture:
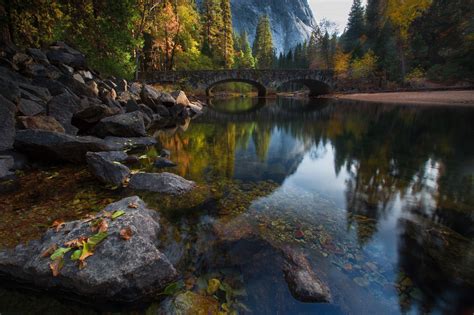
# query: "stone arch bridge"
(265, 81)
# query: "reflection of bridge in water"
(265, 81)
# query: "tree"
(401, 14)
(263, 45)
(353, 36)
(227, 34)
(341, 63)
(364, 68)
(245, 59)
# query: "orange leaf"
(76, 243)
(126, 233)
(58, 225)
(101, 226)
(107, 214)
(56, 266)
(48, 252)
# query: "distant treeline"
(386, 41)
(394, 40)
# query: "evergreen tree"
(245, 59)
(212, 26)
(227, 34)
(263, 45)
(355, 30)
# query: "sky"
(334, 10)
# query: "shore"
(453, 98)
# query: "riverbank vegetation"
(386, 44)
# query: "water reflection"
(395, 184)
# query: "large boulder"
(119, 270)
(60, 53)
(63, 107)
(90, 116)
(107, 168)
(52, 145)
(7, 123)
(302, 281)
(166, 183)
(9, 90)
(149, 95)
(47, 123)
(181, 98)
(123, 125)
(38, 55)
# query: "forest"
(385, 42)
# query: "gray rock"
(120, 144)
(106, 167)
(52, 145)
(86, 74)
(166, 183)
(6, 164)
(167, 100)
(150, 96)
(90, 116)
(38, 55)
(77, 87)
(36, 91)
(131, 106)
(120, 271)
(135, 88)
(162, 162)
(61, 53)
(146, 110)
(162, 111)
(63, 107)
(121, 85)
(9, 90)
(302, 281)
(123, 125)
(7, 123)
(54, 87)
(20, 161)
(30, 108)
(78, 77)
(47, 123)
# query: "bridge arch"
(315, 87)
(261, 89)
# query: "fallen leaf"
(107, 214)
(86, 252)
(126, 233)
(76, 243)
(117, 214)
(100, 226)
(76, 255)
(58, 225)
(49, 251)
(56, 266)
(94, 240)
(59, 253)
(133, 205)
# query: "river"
(380, 197)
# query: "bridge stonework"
(266, 81)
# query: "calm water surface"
(379, 197)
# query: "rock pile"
(53, 106)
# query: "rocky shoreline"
(56, 110)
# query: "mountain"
(292, 20)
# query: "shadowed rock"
(123, 125)
(107, 168)
(47, 123)
(42, 144)
(7, 123)
(119, 270)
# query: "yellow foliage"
(341, 62)
(403, 12)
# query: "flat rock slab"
(166, 183)
(120, 144)
(42, 144)
(120, 270)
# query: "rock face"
(304, 284)
(120, 270)
(42, 144)
(166, 183)
(292, 21)
(107, 168)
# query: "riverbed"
(380, 197)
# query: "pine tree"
(212, 26)
(227, 34)
(263, 44)
(355, 30)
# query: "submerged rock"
(303, 282)
(107, 168)
(166, 183)
(119, 270)
(189, 303)
(52, 145)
